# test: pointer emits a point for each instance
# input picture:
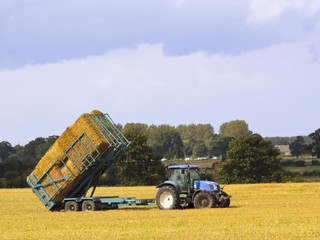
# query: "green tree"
(20, 161)
(220, 145)
(13, 172)
(200, 149)
(194, 136)
(297, 147)
(10, 164)
(111, 177)
(138, 127)
(6, 150)
(251, 159)
(138, 165)
(165, 141)
(188, 147)
(280, 140)
(196, 132)
(315, 145)
(184, 132)
(38, 147)
(235, 129)
(204, 132)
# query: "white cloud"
(79, 28)
(266, 10)
(267, 88)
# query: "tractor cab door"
(194, 175)
(179, 176)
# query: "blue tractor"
(185, 189)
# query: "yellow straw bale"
(55, 151)
(85, 124)
(82, 149)
(95, 112)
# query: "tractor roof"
(183, 167)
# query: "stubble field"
(259, 211)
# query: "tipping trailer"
(74, 163)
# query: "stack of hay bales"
(70, 159)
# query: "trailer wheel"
(203, 200)
(71, 206)
(167, 198)
(89, 205)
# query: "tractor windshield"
(194, 174)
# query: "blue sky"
(159, 62)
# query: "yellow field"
(261, 211)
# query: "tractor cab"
(179, 175)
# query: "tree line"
(240, 150)
(194, 140)
(17, 162)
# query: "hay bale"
(85, 124)
(96, 112)
(56, 150)
(71, 157)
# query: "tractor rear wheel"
(203, 200)
(89, 205)
(71, 206)
(167, 198)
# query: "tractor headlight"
(213, 187)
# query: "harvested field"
(259, 211)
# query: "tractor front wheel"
(167, 198)
(203, 200)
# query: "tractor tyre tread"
(173, 193)
(204, 200)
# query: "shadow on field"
(191, 208)
(138, 208)
(133, 208)
(233, 207)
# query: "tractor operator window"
(194, 174)
(178, 177)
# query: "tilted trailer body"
(75, 162)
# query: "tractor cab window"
(179, 176)
(194, 174)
